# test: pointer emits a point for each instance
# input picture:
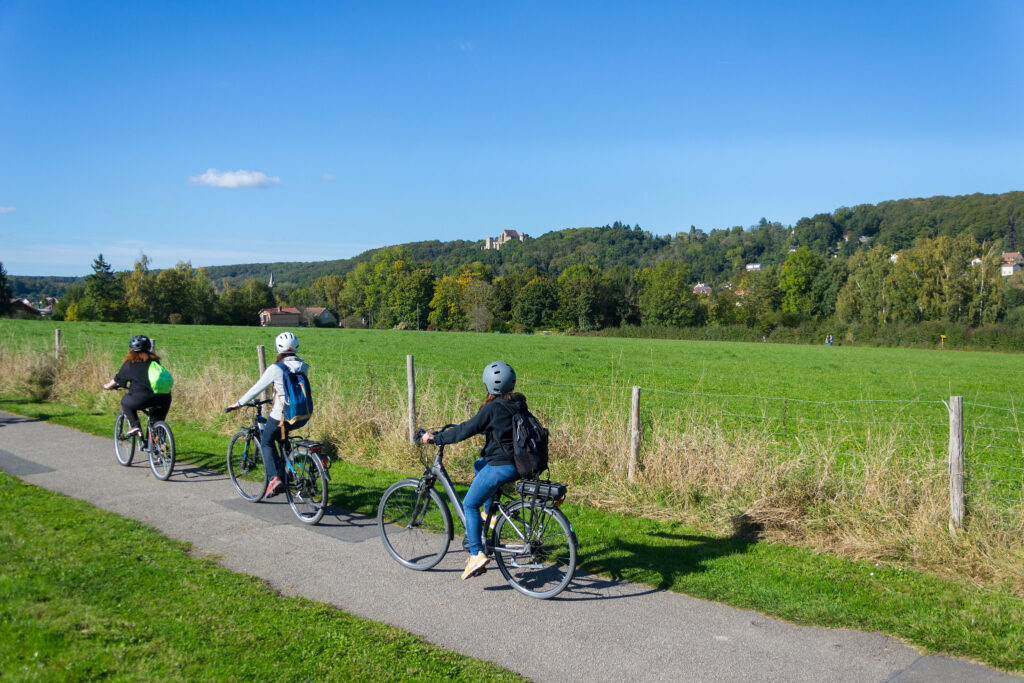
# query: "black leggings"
(158, 404)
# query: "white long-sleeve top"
(275, 375)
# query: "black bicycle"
(307, 468)
(530, 539)
(157, 440)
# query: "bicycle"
(531, 540)
(157, 440)
(306, 468)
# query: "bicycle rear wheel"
(161, 450)
(536, 549)
(306, 486)
(245, 465)
(124, 446)
(414, 524)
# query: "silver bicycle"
(529, 538)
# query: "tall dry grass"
(887, 504)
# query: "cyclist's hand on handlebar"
(426, 437)
(112, 384)
(232, 407)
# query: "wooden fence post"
(410, 375)
(956, 462)
(634, 434)
(56, 345)
(261, 359)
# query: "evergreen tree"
(104, 294)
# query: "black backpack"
(529, 443)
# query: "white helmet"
(287, 343)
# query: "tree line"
(954, 279)
(182, 294)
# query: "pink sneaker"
(274, 487)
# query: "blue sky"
(223, 133)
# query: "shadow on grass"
(668, 557)
(40, 416)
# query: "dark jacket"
(135, 376)
(493, 419)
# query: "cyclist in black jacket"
(134, 374)
(494, 467)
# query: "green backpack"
(160, 380)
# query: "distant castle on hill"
(505, 237)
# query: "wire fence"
(916, 429)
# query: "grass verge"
(792, 583)
(86, 594)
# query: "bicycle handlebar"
(420, 432)
(255, 403)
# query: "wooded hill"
(710, 257)
(713, 257)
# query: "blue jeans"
(488, 479)
(270, 437)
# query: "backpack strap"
(284, 368)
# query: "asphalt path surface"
(599, 629)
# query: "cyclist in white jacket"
(287, 344)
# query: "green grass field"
(815, 373)
(796, 391)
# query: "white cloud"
(233, 180)
(6, 209)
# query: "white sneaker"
(474, 564)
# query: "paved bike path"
(598, 629)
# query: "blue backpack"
(298, 399)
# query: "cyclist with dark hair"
(134, 374)
(287, 344)
(494, 467)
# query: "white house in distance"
(1011, 261)
(701, 288)
(505, 237)
(754, 266)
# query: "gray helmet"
(140, 342)
(499, 378)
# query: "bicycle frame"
(436, 472)
(286, 445)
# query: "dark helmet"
(499, 378)
(140, 342)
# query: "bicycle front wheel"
(124, 445)
(414, 524)
(161, 450)
(245, 465)
(307, 486)
(536, 549)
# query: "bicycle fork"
(419, 510)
